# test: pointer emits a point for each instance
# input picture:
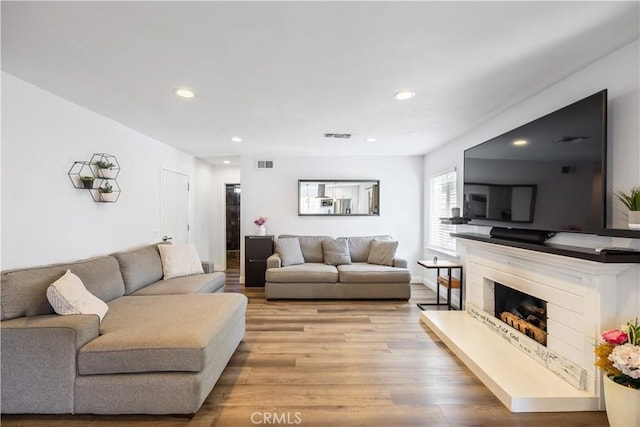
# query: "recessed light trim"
(520, 142)
(370, 140)
(236, 139)
(184, 92)
(403, 95)
(226, 162)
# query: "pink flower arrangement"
(619, 355)
(260, 221)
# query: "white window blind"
(443, 198)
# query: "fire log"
(525, 327)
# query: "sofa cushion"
(359, 246)
(311, 247)
(180, 260)
(161, 333)
(195, 284)
(24, 291)
(68, 295)
(336, 251)
(371, 273)
(140, 267)
(289, 251)
(303, 273)
(382, 253)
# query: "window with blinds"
(443, 198)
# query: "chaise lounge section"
(361, 267)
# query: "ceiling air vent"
(337, 135)
(264, 164)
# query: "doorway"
(174, 209)
(232, 198)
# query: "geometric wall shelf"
(97, 175)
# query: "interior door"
(174, 212)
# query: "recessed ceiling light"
(236, 139)
(520, 142)
(226, 162)
(184, 93)
(403, 95)
(370, 140)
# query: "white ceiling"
(281, 74)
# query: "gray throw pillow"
(382, 253)
(289, 251)
(336, 251)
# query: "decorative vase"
(107, 173)
(634, 220)
(108, 197)
(623, 404)
(261, 230)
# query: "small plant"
(107, 188)
(87, 181)
(103, 164)
(631, 199)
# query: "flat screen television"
(547, 175)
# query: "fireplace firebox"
(521, 311)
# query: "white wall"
(45, 219)
(274, 193)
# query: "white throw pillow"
(68, 295)
(180, 260)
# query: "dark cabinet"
(256, 251)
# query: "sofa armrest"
(274, 261)
(400, 262)
(38, 366)
(207, 266)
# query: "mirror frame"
(301, 182)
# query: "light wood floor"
(340, 363)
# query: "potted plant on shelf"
(261, 230)
(106, 192)
(632, 201)
(105, 169)
(87, 182)
(619, 358)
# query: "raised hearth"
(582, 298)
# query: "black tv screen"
(546, 175)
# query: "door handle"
(165, 238)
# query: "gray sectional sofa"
(352, 271)
(159, 349)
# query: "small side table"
(447, 281)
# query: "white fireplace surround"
(583, 299)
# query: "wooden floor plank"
(338, 363)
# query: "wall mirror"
(335, 197)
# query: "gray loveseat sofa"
(160, 348)
(353, 276)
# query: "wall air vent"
(337, 135)
(264, 164)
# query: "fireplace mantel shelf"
(587, 254)
(520, 384)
